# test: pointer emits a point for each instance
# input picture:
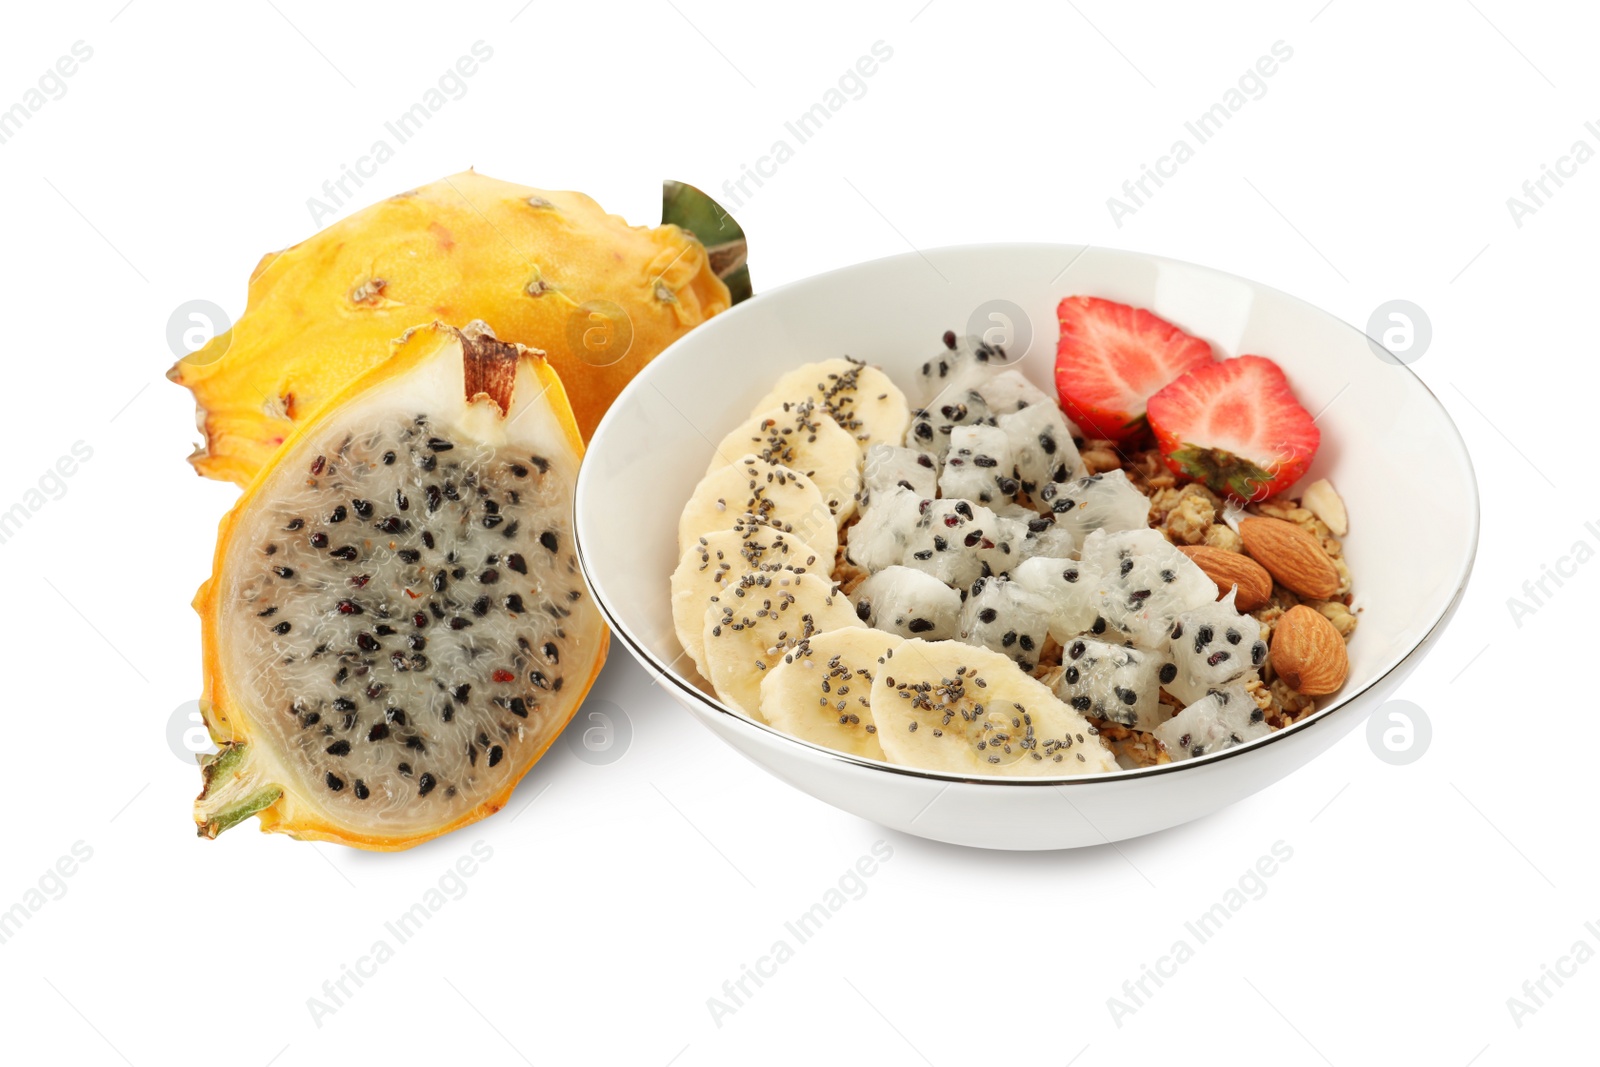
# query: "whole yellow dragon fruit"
(549, 270)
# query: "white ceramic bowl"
(1387, 444)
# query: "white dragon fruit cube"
(931, 426)
(909, 603)
(1096, 502)
(1145, 584)
(1212, 646)
(887, 466)
(964, 363)
(1111, 682)
(1001, 550)
(1071, 589)
(882, 535)
(1010, 391)
(1003, 616)
(977, 465)
(948, 540)
(1221, 719)
(1046, 537)
(1042, 450)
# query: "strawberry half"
(1111, 358)
(1236, 427)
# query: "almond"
(1291, 555)
(1308, 653)
(1230, 570)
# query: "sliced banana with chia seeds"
(802, 437)
(862, 399)
(821, 692)
(752, 490)
(759, 616)
(716, 558)
(949, 706)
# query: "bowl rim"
(1346, 700)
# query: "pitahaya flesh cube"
(881, 536)
(1009, 392)
(978, 465)
(964, 363)
(1046, 537)
(1112, 682)
(909, 603)
(1008, 541)
(1221, 719)
(1211, 646)
(1042, 451)
(1097, 502)
(949, 539)
(1003, 616)
(886, 466)
(1145, 584)
(1071, 588)
(931, 426)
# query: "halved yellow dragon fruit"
(546, 269)
(396, 627)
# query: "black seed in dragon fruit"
(950, 540)
(1042, 451)
(909, 603)
(1145, 584)
(1212, 646)
(1003, 616)
(1072, 589)
(882, 536)
(887, 466)
(1114, 682)
(978, 466)
(1096, 502)
(1221, 719)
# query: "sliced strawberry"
(1236, 427)
(1111, 357)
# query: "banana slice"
(822, 690)
(862, 399)
(948, 706)
(805, 438)
(759, 616)
(768, 493)
(717, 557)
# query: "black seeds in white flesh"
(388, 708)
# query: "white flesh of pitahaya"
(1145, 584)
(1001, 615)
(1097, 502)
(882, 535)
(1222, 719)
(950, 539)
(1010, 535)
(963, 363)
(1046, 537)
(1072, 589)
(1112, 682)
(931, 426)
(1042, 451)
(909, 603)
(886, 466)
(1212, 646)
(978, 465)
(1009, 391)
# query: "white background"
(620, 897)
